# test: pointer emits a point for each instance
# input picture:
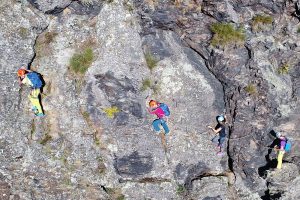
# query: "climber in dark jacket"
(221, 133)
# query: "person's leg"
(279, 159)
(34, 99)
(163, 141)
(156, 123)
(215, 140)
(165, 126)
(221, 143)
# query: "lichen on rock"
(101, 60)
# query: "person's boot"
(39, 114)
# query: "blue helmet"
(221, 118)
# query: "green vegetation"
(128, 5)
(86, 116)
(80, 62)
(67, 181)
(262, 19)
(284, 69)
(23, 32)
(259, 21)
(96, 139)
(251, 89)
(225, 33)
(151, 61)
(46, 139)
(298, 30)
(64, 160)
(180, 189)
(110, 112)
(146, 84)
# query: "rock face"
(96, 140)
(50, 7)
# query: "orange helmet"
(152, 103)
(21, 72)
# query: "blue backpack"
(288, 145)
(35, 79)
(165, 108)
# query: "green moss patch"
(225, 33)
(80, 62)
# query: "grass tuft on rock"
(225, 33)
(146, 84)
(260, 21)
(80, 62)
(149, 84)
(264, 19)
(284, 69)
(251, 89)
(111, 111)
(180, 190)
(23, 32)
(128, 5)
(151, 61)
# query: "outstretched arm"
(147, 103)
(215, 130)
(20, 81)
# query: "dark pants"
(219, 140)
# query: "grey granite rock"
(80, 150)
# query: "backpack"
(35, 79)
(288, 145)
(165, 108)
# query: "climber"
(33, 80)
(161, 111)
(280, 149)
(220, 130)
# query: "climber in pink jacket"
(155, 108)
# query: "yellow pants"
(279, 159)
(34, 99)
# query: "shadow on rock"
(91, 9)
(213, 198)
(190, 174)
(120, 92)
(134, 165)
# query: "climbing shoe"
(40, 114)
(220, 153)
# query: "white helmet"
(220, 118)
